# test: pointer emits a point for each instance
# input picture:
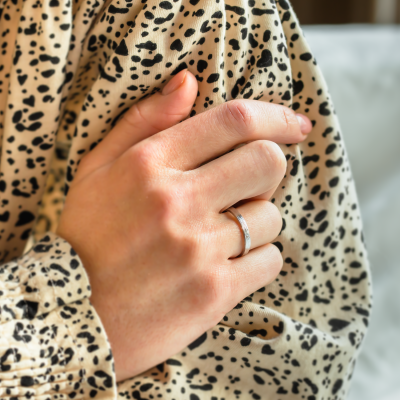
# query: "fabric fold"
(52, 342)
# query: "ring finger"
(264, 222)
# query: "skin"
(145, 215)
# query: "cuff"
(52, 342)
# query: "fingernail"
(305, 124)
(174, 83)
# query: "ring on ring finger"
(263, 221)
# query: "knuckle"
(215, 285)
(142, 157)
(284, 116)
(269, 156)
(262, 147)
(140, 114)
(166, 210)
(184, 247)
(240, 116)
(277, 158)
(260, 153)
(275, 218)
(289, 120)
(134, 116)
(275, 261)
(171, 216)
(290, 115)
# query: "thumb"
(145, 118)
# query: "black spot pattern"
(50, 329)
(67, 73)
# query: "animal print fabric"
(52, 343)
(68, 71)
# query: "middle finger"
(253, 169)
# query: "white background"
(361, 64)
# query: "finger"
(249, 273)
(212, 133)
(263, 220)
(263, 196)
(147, 117)
(249, 171)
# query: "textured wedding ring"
(245, 229)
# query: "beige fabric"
(52, 342)
(68, 71)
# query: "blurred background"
(357, 46)
(347, 11)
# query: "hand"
(144, 215)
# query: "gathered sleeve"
(52, 342)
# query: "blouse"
(68, 70)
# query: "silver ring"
(245, 230)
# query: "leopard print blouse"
(68, 71)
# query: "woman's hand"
(144, 215)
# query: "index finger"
(210, 134)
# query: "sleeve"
(299, 337)
(52, 342)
